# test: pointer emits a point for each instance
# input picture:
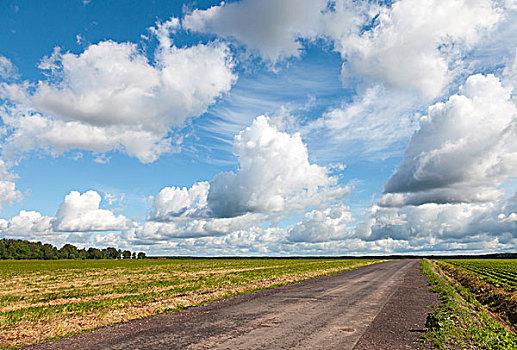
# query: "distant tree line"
(21, 249)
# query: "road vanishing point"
(380, 306)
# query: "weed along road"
(380, 306)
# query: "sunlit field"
(41, 300)
(498, 272)
(479, 303)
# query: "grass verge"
(461, 321)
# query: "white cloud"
(33, 226)
(111, 98)
(325, 225)
(173, 202)
(416, 44)
(448, 193)
(439, 223)
(465, 148)
(274, 175)
(8, 192)
(271, 28)
(38, 132)
(81, 213)
(7, 69)
(428, 39)
(28, 225)
(153, 231)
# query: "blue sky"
(260, 127)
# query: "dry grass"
(41, 300)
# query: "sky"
(260, 127)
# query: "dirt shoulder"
(402, 320)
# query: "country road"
(381, 306)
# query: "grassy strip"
(461, 322)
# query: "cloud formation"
(28, 225)
(267, 27)
(448, 192)
(439, 223)
(465, 148)
(111, 98)
(330, 224)
(8, 192)
(274, 175)
(427, 38)
(81, 213)
(173, 202)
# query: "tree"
(141, 255)
(94, 253)
(69, 251)
(22, 249)
(112, 253)
(49, 252)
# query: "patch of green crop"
(498, 272)
(461, 322)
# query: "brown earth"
(381, 306)
(402, 319)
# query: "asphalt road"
(381, 306)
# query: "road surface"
(381, 306)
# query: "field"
(42, 300)
(498, 272)
(479, 304)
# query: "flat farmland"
(43, 300)
(498, 272)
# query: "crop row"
(501, 272)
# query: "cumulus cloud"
(465, 148)
(154, 231)
(174, 201)
(81, 212)
(8, 192)
(438, 223)
(274, 175)
(28, 225)
(447, 193)
(78, 215)
(325, 225)
(268, 27)
(425, 38)
(110, 97)
(35, 131)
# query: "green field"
(41, 300)
(499, 272)
(473, 313)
